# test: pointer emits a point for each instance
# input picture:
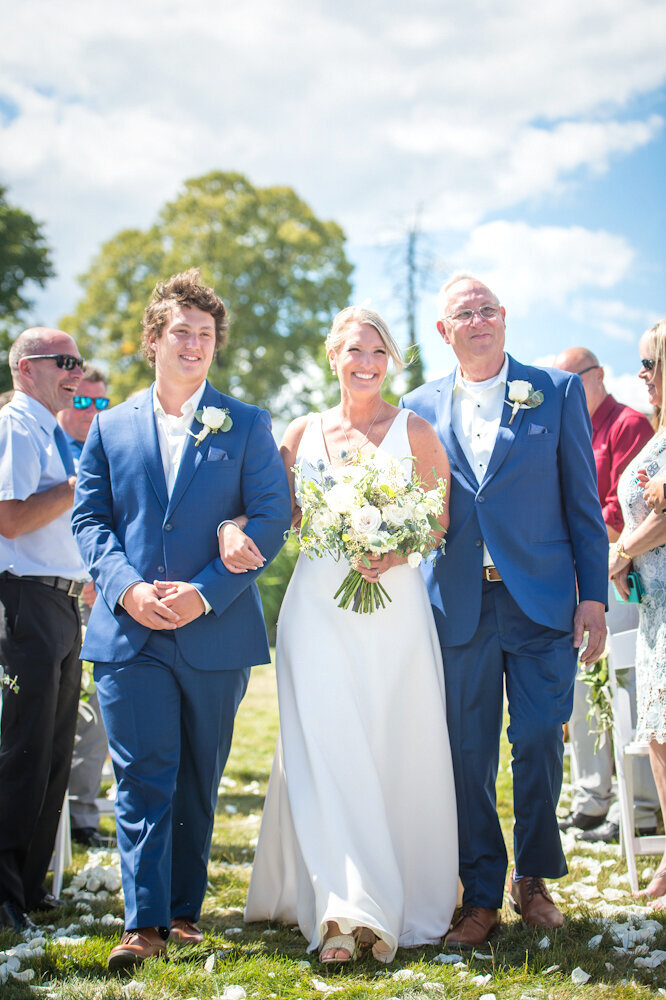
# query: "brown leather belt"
(491, 574)
(71, 587)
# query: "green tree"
(281, 271)
(24, 259)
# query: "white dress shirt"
(172, 434)
(476, 412)
(173, 431)
(30, 463)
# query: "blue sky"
(530, 142)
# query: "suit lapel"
(145, 433)
(193, 454)
(457, 456)
(506, 434)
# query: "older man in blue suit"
(522, 580)
(173, 633)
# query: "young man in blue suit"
(522, 579)
(173, 633)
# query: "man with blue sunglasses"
(91, 745)
(90, 398)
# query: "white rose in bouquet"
(394, 514)
(366, 520)
(342, 498)
(324, 519)
(414, 559)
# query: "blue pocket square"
(537, 429)
(216, 455)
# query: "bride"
(358, 842)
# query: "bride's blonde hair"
(359, 314)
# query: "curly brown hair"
(184, 289)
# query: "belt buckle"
(75, 588)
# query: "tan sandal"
(367, 940)
(382, 951)
(339, 942)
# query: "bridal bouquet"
(367, 508)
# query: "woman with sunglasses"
(641, 548)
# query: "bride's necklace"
(364, 439)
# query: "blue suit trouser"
(169, 728)
(538, 666)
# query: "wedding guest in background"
(90, 744)
(41, 577)
(526, 528)
(641, 548)
(172, 633)
(618, 434)
(358, 836)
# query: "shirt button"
(481, 499)
(168, 527)
(160, 569)
(478, 543)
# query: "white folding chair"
(62, 851)
(622, 656)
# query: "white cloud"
(614, 319)
(628, 389)
(368, 110)
(474, 109)
(531, 266)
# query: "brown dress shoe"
(184, 931)
(136, 945)
(473, 926)
(530, 898)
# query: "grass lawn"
(270, 961)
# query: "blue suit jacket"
(537, 508)
(128, 529)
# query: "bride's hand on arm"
(431, 461)
(238, 551)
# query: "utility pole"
(415, 372)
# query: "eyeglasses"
(466, 316)
(85, 402)
(66, 361)
(588, 369)
(648, 364)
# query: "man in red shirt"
(618, 433)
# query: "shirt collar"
(24, 403)
(189, 407)
(462, 385)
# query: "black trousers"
(40, 641)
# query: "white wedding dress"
(359, 824)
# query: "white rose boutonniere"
(214, 419)
(522, 396)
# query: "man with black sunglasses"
(91, 745)
(41, 577)
(618, 434)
